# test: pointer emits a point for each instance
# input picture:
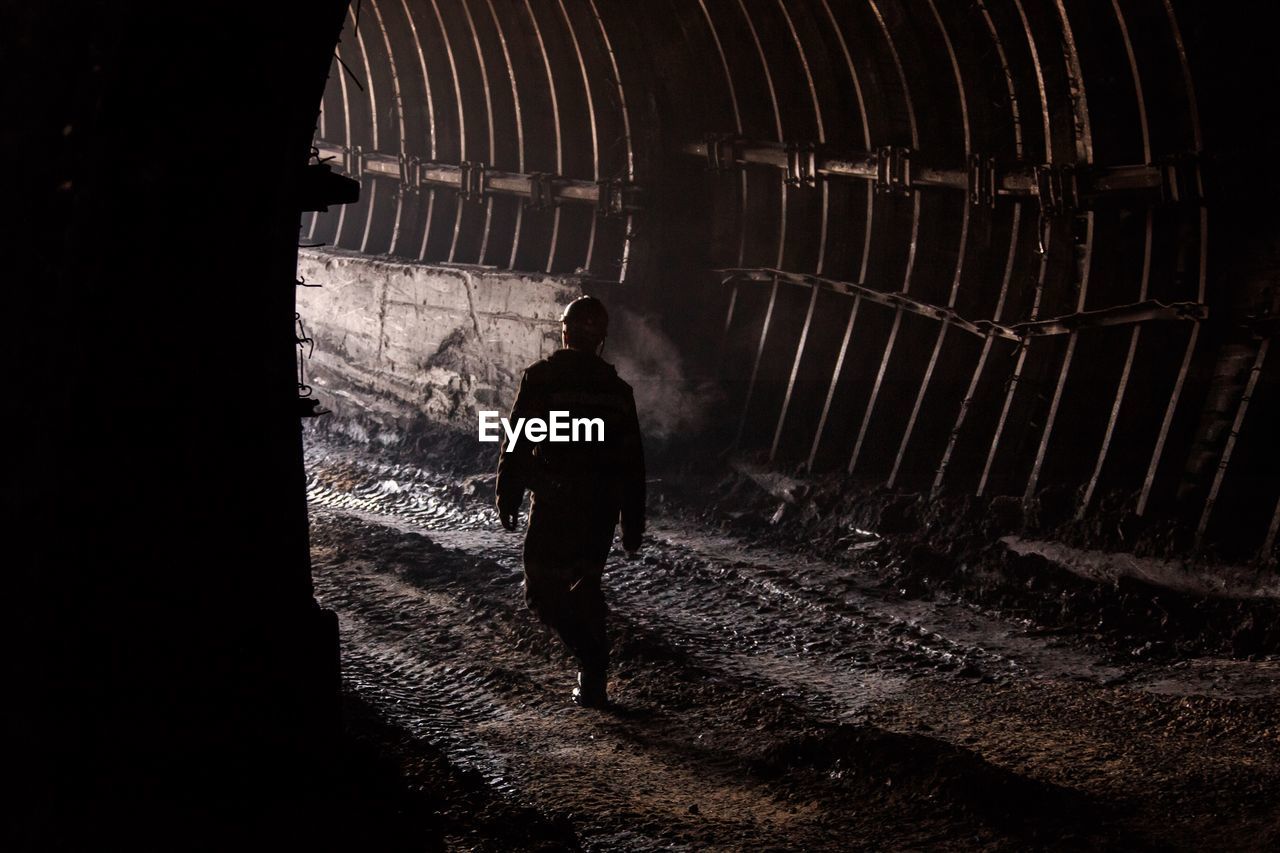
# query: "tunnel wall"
(398, 342)
(990, 249)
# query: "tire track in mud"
(761, 615)
(751, 629)
(410, 650)
(435, 640)
(755, 649)
(412, 638)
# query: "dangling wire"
(303, 339)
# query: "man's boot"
(590, 692)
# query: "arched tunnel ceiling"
(484, 87)
(599, 90)
(962, 243)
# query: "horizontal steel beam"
(474, 181)
(1119, 315)
(1057, 188)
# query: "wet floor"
(769, 701)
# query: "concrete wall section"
(399, 342)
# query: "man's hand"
(509, 519)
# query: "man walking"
(580, 489)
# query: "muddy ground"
(767, 699)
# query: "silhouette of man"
(580, 490)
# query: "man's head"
(584, 324)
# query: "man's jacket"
(600, 479)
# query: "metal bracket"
(802, 164)
(353, 161)
(541, 191)
(1057, 189)
(893, 170)
(1178, 178)
(723, 151)
(410, 172)
(982, 180)
(471, 186)
(610, 201)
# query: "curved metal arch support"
(465, 5)
(866, 240)
(399, 107)
(978, 369)
(626, 131)
(432, 152)
(1055, 403)
(1224, 462)
(835, 380)
(782, 222)
(912, 247)
(346, 141)
(1075, 78)
(1166, 424)
(1040, 81)
(755, 366)
(556, 120)
(591, 121)
(451, 56)
(320, 129)
(737, 120)
(822, 134)
(742, 178)
(518, 108)
(1014, 240)
(795, 369)
(825, 216)
(1016, 378)
(1148, 244)
(1084, 154)
(373, 127)
(961, 256)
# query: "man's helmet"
(585, 320)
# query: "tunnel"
(949, 515)
(947, 249)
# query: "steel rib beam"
(866, 240)
(1228, 449)
(1014, 237)
(1136, 333)
(1015, 378)
(782, 223)
(961, 255)
(431, 122)
(373, 128)
(626, 132)
(911, 251)
(518, 108)
(556, 123)
(591, 121)
(1171, 409)
(399, 104)
(822, 238)
(488, 109)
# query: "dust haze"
(669, 402)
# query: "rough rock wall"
(399, 343)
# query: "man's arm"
(633, 487)
(515, 464)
